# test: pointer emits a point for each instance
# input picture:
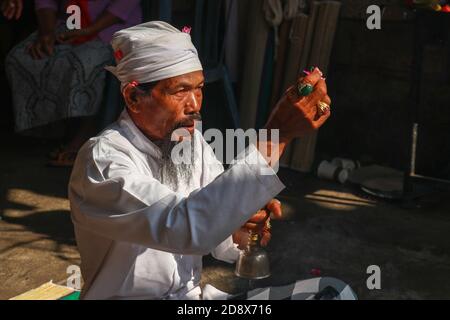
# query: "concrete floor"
(326, 226)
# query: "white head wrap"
(152, 51)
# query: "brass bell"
(253, 262)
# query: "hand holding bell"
(253, 262)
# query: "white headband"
(152, 51)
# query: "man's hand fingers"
(259, 217)
(318, 113)
(274, 206)
(322, 119)
(257, 227)
(327, 100)
(320, 91)
(240, 237)
(322, 116)
(266, 236)
(312, 78)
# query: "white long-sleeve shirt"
(138, 239)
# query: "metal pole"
(415, 100)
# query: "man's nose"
(192, 104)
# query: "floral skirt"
(70, 83)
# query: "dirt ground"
(326, 226)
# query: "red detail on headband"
(186, 29)
(118, 54)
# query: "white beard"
(176, 176)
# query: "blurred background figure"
(11, 9)
(57, 73)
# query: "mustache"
(188, 121)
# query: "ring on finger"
(304, 89)
(323, 107)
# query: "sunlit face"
(173, 103)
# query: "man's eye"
(180, 92)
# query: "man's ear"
(130, 96)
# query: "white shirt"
(138, 239)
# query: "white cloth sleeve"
(226, 251)
(109, 197)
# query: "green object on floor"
(73, 296)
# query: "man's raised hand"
(295, 115)
(260, 224)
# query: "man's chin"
(190, 129)
(183, 132)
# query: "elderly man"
(143, 222)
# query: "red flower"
(186, 29)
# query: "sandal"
(63, 159)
